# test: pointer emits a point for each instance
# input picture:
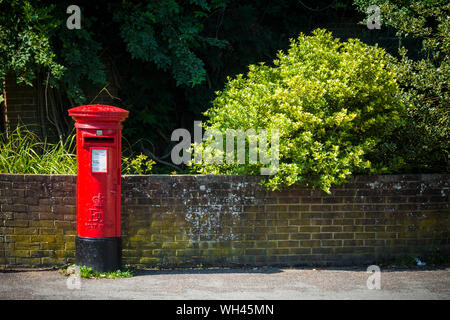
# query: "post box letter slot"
(103, 140)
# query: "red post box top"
(98, 113)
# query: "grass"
(88, 273)
(24, 152)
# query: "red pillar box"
(98, 243)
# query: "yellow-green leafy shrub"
(332, 102)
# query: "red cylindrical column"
(98, 242)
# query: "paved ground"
(265, 283)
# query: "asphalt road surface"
(236, 284)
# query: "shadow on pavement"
(273, 270)
(208, 271)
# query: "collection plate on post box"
(99, 160)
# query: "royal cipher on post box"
(98, 242)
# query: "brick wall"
(22, 103)
(188, 220)
(37, 219)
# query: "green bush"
(140, 164)
(423, 144)
(333, 102)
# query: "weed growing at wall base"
(88, 273)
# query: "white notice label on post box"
(98, 162)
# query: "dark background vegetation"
(162, 60)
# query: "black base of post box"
(100, 254)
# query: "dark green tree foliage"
(34, 39)
(80, 53)
(25, 36)
(424, 142)
(165, 33)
